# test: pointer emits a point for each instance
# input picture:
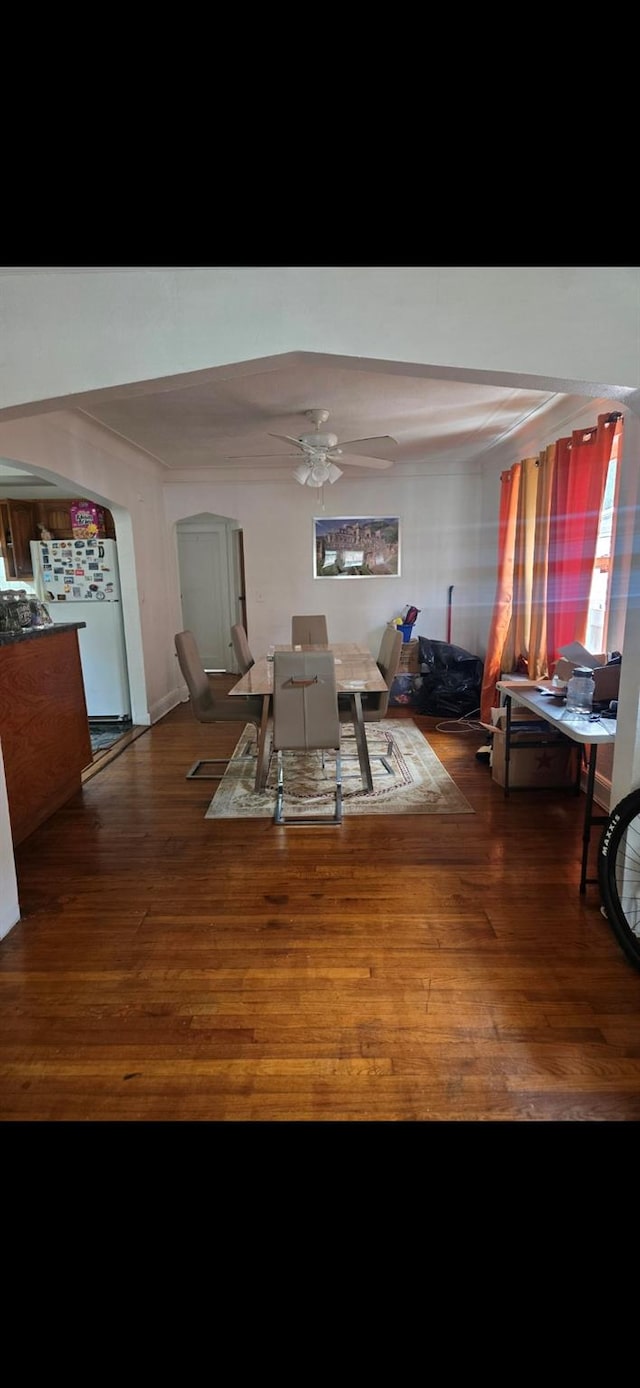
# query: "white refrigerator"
(79, 581)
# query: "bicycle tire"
(619, 874)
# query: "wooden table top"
(356, 670)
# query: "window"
(596, 638)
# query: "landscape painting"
(356, 547)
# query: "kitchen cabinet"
(55, 516)
(19, 527)
(20, 523)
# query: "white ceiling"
(217, 424)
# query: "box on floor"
(552, 763)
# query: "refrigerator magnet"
(100, 593)
(79, 573)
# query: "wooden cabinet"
(55, 516)
(19, 527)
(20, 522)
(46, 743)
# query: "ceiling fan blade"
(353, 460)
(286, 438)
(249, 457)
(383, 440)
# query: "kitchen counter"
(44, 729)
(11, 638)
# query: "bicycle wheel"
(619, 874)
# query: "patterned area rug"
(418, 784)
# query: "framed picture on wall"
(356, 547)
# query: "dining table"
(357, 673)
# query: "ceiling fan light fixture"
(301, 473)
(319, 472)
(334, 473)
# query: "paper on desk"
(579, 655)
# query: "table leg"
(262, 759)
(507, 746)
(588, 815)
(361, 743)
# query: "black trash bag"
(451, 679)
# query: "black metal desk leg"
(588, 814)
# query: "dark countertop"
(10, 638)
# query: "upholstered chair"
(241, 648)
(309, 631)
(375, 705)
(305, 719)
(209, 707)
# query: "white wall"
(440, 527)
(82, 331)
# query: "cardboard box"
(409, 663)
(551, 765)
(606, 678)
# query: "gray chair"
(208, 707)
(375, 705)
(241, 648)
(309, 631)
(305, 719)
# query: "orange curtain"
(516, 650)
(577, 491)
(547, 535)
(501, 619)
(538, 658)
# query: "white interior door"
(205, 591)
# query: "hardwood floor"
(419, 968)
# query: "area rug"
(419, 783)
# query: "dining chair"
(208, 707)
(305, 719)
(309, 631)
(241, 648)
(376, 704)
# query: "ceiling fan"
(321, 452)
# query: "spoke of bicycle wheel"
(627, 873)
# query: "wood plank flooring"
(412, 968)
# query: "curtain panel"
(549, 517)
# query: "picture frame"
(356, 547)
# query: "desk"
(579, 730)
(356, 674)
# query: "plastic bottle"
(580, 692)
